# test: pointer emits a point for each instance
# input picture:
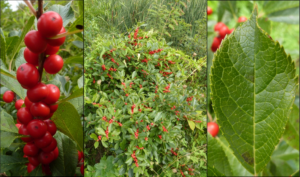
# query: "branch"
(42, 55)
(32, 10)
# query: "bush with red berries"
(144, 107)
(39, 135)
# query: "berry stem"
(31, 8)
(65, 34)
(42, 55)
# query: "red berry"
(30, 150)
(51, 127)
(27, 75)
(79, 155)
(39, 109)
(35, 42)
(45, 141)
(28, 103)
(8, 96)
(230, 31)
(37, 93)
(46, 157)
(216, 43)
(54, 94)
(53, 108)
(23, 131)
(24, 115)
(209, 10)
(46, 169)
(31, 57)
(223, 31)
(51, 50)
(51, 146)
(59, 41)
(18, 125)
(81, 169)
(55, 153)
(242, 19)
(49, 24)
(213, 128)
(30, 167)
(47, 117)
(218, 26)
(37, 128)
(53, 64)
(34, 160)
(19, 104)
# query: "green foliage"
(253, 83)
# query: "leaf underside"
(253, 88)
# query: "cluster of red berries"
(166, 90)
(135, 159)
(136, 134)
(81, 160)
(164, 129)
(173, 152)
(132, 108)
(155, 51)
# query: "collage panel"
(145, 88)
(253, 98)
(41, 105)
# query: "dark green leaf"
(8, 162)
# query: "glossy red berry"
(53, 64)
(81, 169)
(30, 150)
(209, 10)
(39, 109)
(59, 41)
(8, 96)
(30, 167)
(37, 93)
(28, 103)
(242, 19)
(44, 141)
(223, 31)
(51, 146)
(34, 160)
(23, 131)
(230, 31)
(19, 103)
(53, 96)
(27, 75)
(53, 108)
(24, 115)
(51, 50)
(36, 128)
(216, 43)
(46, 157)
(47, 117)
(35, 42)
(218, 26)
(31, 57)
(79, 156)
(55, 153)
(49, 24)
(51, 127)
(213, 128)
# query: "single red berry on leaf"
(8, 96)
(31, 57)
(53, 64)
(27, 75)
(51, 127)
(35, 42)
(23, 131)
(37, 93)
(39, 109)
(209, 10)
(45, 141)
(49, 24)
(30, 167)
(33, 160)
(46, 157)
(19, 103)
(30, 150)
(51, 50)
(51, 146)
(53, 96)
(242, 19)
(36, 128)
(218, 26)
(59, 41)
(24, 115)
(213, 128)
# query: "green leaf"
(158, 116)
(265, 24)
(7, 122)
(21, 39)
(9, 81)
(68, 122)
(96, 144)
(20, 58)
(78, 44)
(290, 16)
(94, 136)
(80, 82)
(78, 104)
(7, 138)
(3, 48)
(74, 60)
(8, 162)
(65, 164)
(99, 130)
(275, 6)
(78, 21)
(230, 6)
(11, 43)
(77, 93)
(66, 12)
(191, 124)
(291, 134)
(285, 152)
(37, 171)
(253, 84)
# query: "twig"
(42, 55)
(65, 34)
(32, 10)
